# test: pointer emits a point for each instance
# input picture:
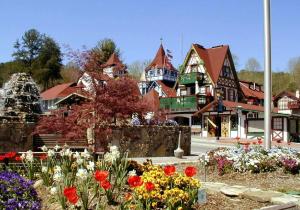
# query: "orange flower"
(190, 171)
(100, 176)
(169, 170)
(149, 186)
(135, 181)
(128, 196)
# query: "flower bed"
(17, 192)
(253, 158)
(75, 180)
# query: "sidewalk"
(255, 194)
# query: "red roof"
(114, 62)
(152, 100)
(170, 92)
(161, 61)
(251, 93)
(57, 91)
(213, 59)
(285, 93)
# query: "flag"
(169, 56)
(169, 51)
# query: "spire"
(161, 60)
(113, 60)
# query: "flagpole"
(267, 75)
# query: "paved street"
(200, 145)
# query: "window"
(202, 100)
(231, 95)
(194, 68)
(283, 103)
(234, 122)
(277, 123)
(226, 71)
(158, 72)
(192, 90)
(224, 93)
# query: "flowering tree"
(111, 104)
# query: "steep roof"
(249, 92)
(285, 93)
(115, 62)
(57, 91)
(213, 59)
(170, 92)
(161, 60)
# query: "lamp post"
(267, 75)
(219, 110)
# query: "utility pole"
(267, 76)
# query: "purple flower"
(17, 192)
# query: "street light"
(267, 75)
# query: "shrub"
(17, 192)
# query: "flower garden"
(78, 180)
(74, 180)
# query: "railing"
(190, 78)
(179, 103)
(294, 105)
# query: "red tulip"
(43, 157)
(10, 155)
(71, 194)
(2, 157)
(169, 170)
(190, 171)
(259, 141)
(105, 185)
(100, 176)
(135, 181)
(18, 158)
(149, 186)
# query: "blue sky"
(137, 26)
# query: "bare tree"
(252, 65)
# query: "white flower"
(113, 148)
(29, 156)
(85, 154)
(132, 173)
(76, 155)
(57, 177)
(56, 147)
(44, 169)
(66, 152)
(50, 153)
(90, 166)
(53, 190)
(82, 173)
(44, 148)
(79, 161)
(57, 169)
(23, 156)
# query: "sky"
(138, 25)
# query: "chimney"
(297, 93)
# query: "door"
(225, 126)
(277, 133)
(212, 127)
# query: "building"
(114, 67)
(160, 75)
(211, 99)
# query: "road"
(200, 146)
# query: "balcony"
(179, 103)
(190, 78)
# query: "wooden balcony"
(190, 78)
(179, 103)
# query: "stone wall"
(151, 141)
(16, 137)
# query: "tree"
(40, 55)
(28, 49)
(70, 72)
(236, 60)
(98, 55)
(294, 67)
(136, 68)
(49, 60)
(112, 104)
(252, 65)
